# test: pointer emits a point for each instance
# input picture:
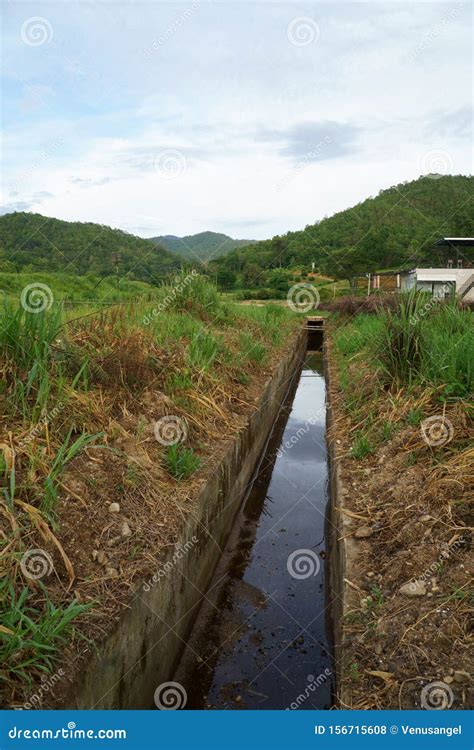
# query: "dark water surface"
(261, 639)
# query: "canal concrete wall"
(341, 544)
(145, 646)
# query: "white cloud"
(240, 104)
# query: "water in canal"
(261, 640)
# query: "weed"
(251, 349)
(32, 636)
(181, 461)
(414, 417)
(354, 672)
(361, 447)
(65, 454)
(202, 351)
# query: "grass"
(68, 288)
(76, 376)
(181, 461)
(361, 447)
(408, 349)
(30, 636)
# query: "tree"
(252, 276)
(225, 279)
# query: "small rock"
(362, 532)
(114, 508)
(378, 649)
(448, 679)
(101, 557)
(125, 529)
(113, 541)
(461, 676)
(344, 491)
(413, 588)
(112, 572)
(94, 554)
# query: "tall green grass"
(422, 341)
(31, 636)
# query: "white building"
(441, 282)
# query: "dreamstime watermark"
(433, 33)
(171, 30)
(436, 163)
(313, 684)
(446, 553)
(437, 696)
(47, 684)
(36, 564)
(180, 552)
(307, 159)
(303, 563)
(36, 297)
(302, 31)
(302, 298)
(170, 430)
(36, 31)
(437, 430)
(170, 163)
(179, 287)
(170, 696)
(46, 418)
(435, 299)
(301, 432)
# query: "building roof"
(461, 241)
(426, 274)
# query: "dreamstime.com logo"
(71, 732)
(170, 696)
(170, 430)
(311, 686)
(302, 31)
(36, 564)
(170, 163)
(36, 31)
(166, 569)
(287, 444)
(436, 163)
(437, 696)
(437, 430)
(36, 297)
(179, 288)
(303, 563)
(302, 298)
(35, 700)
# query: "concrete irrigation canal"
(262, 634)
(239, 617)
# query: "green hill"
(31, 242)
(202, 246)
(397, 228)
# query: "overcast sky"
(250, 118)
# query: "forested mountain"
(32, 242)
(202, 246)
(397, 228)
